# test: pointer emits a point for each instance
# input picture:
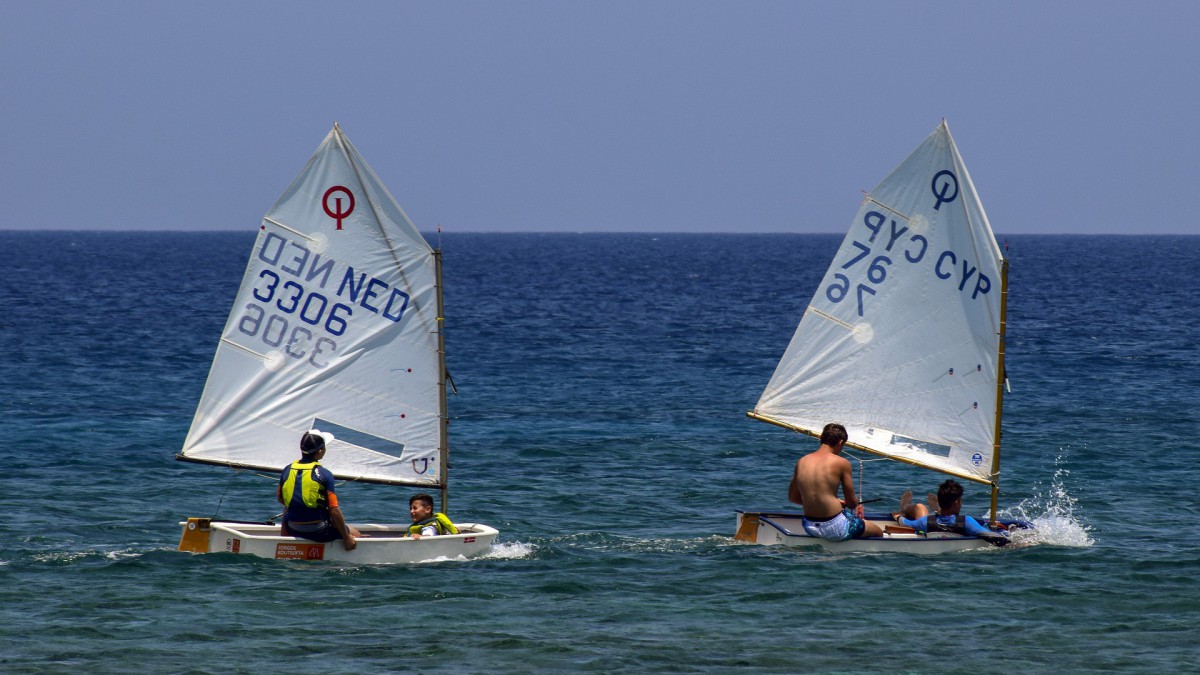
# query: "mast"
(1001, 376)
(443, 414)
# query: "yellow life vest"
(310, 489)
(438, 521)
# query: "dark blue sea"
(600, 424)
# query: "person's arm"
(794, 495)
(974, 527)
(335, 513)
(851, 500)
(279, 487)
(335, 516)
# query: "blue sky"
(655, 116)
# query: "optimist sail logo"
(944, 187)
(337, 212)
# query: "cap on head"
(312, 441)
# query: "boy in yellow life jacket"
(426, 523)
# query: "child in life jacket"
(947, 518)
(427, 523)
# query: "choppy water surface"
(600, 426)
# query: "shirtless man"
(815, 485)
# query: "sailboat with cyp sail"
(903, 344)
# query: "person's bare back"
(815, 483)
(816, 480)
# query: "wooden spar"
(863, 448)
(1001, 376)
(771, 420)
(443, 414)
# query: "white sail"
(901, 340)
(335, 327)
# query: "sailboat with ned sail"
(337, 326)
(903, 344)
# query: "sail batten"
(918, 282)
(834, 319)
(888, 208)
(244, 349)
(281, 226)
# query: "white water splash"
(509, 551)
(61, 556)
(1052, 513)
(667, 545)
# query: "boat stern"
(196, 533)
(770, 529)
(747, 527)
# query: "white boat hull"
(784, 529)
(380, 543)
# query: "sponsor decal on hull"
(300, 551)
